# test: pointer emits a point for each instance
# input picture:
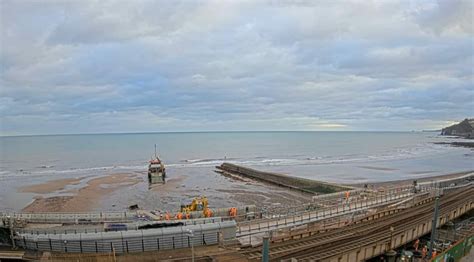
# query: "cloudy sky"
(141, 66)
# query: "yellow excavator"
(198, 204)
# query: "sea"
(341, 157)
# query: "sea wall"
(301, 184)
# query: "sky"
(150, 66)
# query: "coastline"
(118, 191)
(83, 199)
(53, 196)
(79, 179)
(456, 143)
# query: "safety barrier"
(130, 241)
(257, 226)
(457, 251)
(101, 227)
(71, 217)
(250, 229)
(101, 217)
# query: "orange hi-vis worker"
(167, 216)
(188, 216)
(233, 212)
(208, 212)
(434, 254)
(179, 215)
(417, 243)
(347, 194)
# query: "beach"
(52, 196)
(82, 199)
(101, 194)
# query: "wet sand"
(118, 191)
(378, 168)
(51, 186)
(83, 199)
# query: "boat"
(156, 170)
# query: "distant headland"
(463, 129)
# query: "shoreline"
(457, 144)
(82, 199)
(116, 192)
(55, 195)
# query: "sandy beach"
(122, 189)
(118, 191)
(82, 199)
(51, 186)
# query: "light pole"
(265, 247)
(12, 235)
(434, 223)
(391, 236)
(190, 233)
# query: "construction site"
(414, 221)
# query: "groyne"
(301, 184)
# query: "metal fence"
(72, 217)
(85, 229)
(254, 229)
(130, 241)
(282, 221)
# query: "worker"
(424, 251)
(208, 212)
(167, 216)
(179, 216)
(417, 242)
(233, 211)
(188, 216)
(434, 254)
(347, 195)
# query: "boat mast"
(155, 152)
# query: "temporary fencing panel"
(130, 241)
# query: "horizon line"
(218, 131)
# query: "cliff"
(464, 129)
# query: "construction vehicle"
(198, 204)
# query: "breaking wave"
(292, 160)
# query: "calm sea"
(75, 154)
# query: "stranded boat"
(156, 170)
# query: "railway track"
(283, 248)
(336, 241)
(381, 234)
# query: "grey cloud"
(167, 65)
(445, 16)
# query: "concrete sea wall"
(301, 184)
